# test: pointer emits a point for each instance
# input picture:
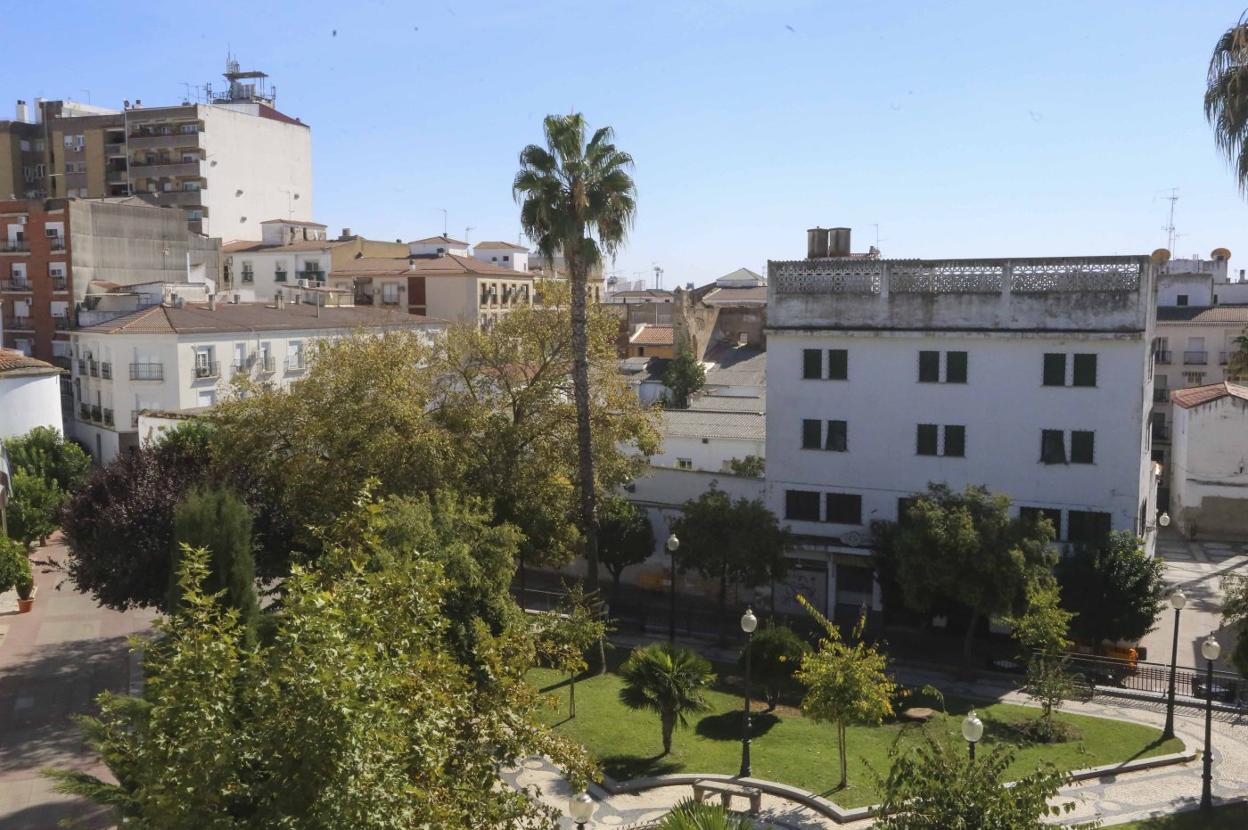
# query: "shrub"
(14, 564)
(775, 654)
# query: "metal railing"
(15, 285)
(295, 364)
(57, 242)
(97, 414)
(1161, 394)
(93, 368)
(10, 246)
(1195, 358)
(147, 371)
(279, 276)
(248, 276)
(1162, 357)
(106, 371)
(1224, 358)
(267, 364)
(17, 323)
(1161, 432)
(108, 417)
(82, 366)
(84, 411)
(60, 322)
(315, 276)
(1154, 678)
(211, 369)
(60, 283)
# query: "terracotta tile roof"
(752, 295)
(15, 364)
(298, 222)
(651, 335)
(447, 265)
(232, 317)
(239, 246)
(499, 246)
(1196, 395)
(1198, 315)
(446, 240)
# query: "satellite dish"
(1220, 254)
(1160, 256)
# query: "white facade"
(503, 255)
(1209, 476)
(438, 245)
(708, 440)
(29, 398)
(846, 353)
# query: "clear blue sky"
(962, 129)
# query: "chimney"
(838, 242)
(138, 103)
(279, 301)
(411, 263)
(39, 110)
(816, 243)
(212, 302)
(346, 233)
(23, 112)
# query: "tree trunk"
(840, 746)
(580, 393)
(615, 587)
(668, 720)
(969, 640)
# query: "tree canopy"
(1115, 589)
(625, 536)
(685, 376)
(1226, 98)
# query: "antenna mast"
(1171, 236)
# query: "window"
(1052, 446)
(955, 367)
(1182, 299)
(838, 364)
(390, 293)
(1086, 526)
(189, 128)
(1035, 514)
(812, 364)
(1194, 378)
(927, 439)
(51, 233)
(1085, 370)
(801, 505)
(929, 367)
(1081, 449)
(1054, 369)
(955, 441)
(811, 434)
(844, 509)
(838, 436)
(684, 463)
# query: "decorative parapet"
(819, 276)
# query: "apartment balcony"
(1161, 395)
(97, 414)
(60, 284)
(84, 412)
(1162, 358)
(114, 149)
(1195, 358)
(147, 371)
(56, 243)
(15, 285)
(1161, 432)
(108, 417)
(212, 369)
(14, 246)
(106, 371)
(82, 366)
(178, 198)
(141, 141)
(60, 323)
(167, 169)
(62, 362)
(18, 324)
(116, 175)
(267, 364)
(311, 274)
(94, 368)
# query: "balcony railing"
(267, 364)
(108, 417)
(212, 369)
(97, 414)
(60, 322)
(15, 284)
(1224, 358)
(1195, 358)
(295, 364)
(248, 276)
(106, 371)
(82, 366)
(173, 139)
(1161, 394)
(94, 368)
(9, 246)
(57, 243)
(62, 362)
(1162, 357)
(84, 412)
(60, 283)
(312, 275)
(18, 323)
(147, 371)
(115, 149)
(279, 276)
(162, 168)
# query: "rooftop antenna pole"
(443, 220)
(1171, 236)
(658, 277)
(467, 230)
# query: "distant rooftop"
(736, 366)
(16, 364)
(429, 265)
(233, 317)
(649, 334)
(435, 240)
(499, 246)
(298, 222)
(1196, 395)
(698, 423)
(1202, 315)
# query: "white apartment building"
(1209, 476)
(291, 253)
(30, 394)
(502, 254)
(1030, 376)
(179, 356)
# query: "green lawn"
(1234, 817)
(791, 749)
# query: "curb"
(1114, 770)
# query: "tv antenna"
(658, 277)
(1171, 235)
(467, 230)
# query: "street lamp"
(1209, 649)
(1164, 520)
(749, 622)
(672, 544)
(1177, 601)
(581, 808)
(972, 730)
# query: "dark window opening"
(955, 367)
(838, 364)
(927, 439)
(929, 367)
(812, 364)
(1052, 446)
(801, 505)
(844, 509)
(1085, 370)
(1182, 299)
(1081, 447)
(1087, 527)
(903, 509)
(838, 436)
(955, 441)
(1054, 369)
(1035, 514)
(810, 434)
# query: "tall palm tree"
(1226, 98)
(577, 199)
(669, 680)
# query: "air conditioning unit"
(303, 283)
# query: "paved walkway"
(1114, 800)
(53, 662)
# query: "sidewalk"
(53, 662)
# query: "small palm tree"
(691, 815)
(1226, 98)
(669, 680)
(577, 199)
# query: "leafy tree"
(31, 510)
(566, 633)
(684, 376)
(1226, 98)
(932, 786)
(358, 712)
(1115, 589)
(1042, 633)
(739, 542)
(625, 537)
(14, 564)
(845, 684)
(669, 680)
(694, 815)
(1235, 613)
(44, 452)
(570, 192)
(964, 548)
(119, 525)
(752, 466)
(218, 521)
(776, 653)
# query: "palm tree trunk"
(580, 394)
(668, 720)
(969, 640)
(840, 746)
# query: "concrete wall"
(1197, 288)
(27, 402)
(265, 265)
(1209, 479)
(706, 454)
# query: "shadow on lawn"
(627, 767)
(727, 727)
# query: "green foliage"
(216, 520)
(1115, 589)
(625, 536)
(14, 564)
(566, 633)
(752, 466)
(776, 653)
(739, 542)
(1235, 613)
(357, 712)
(932, 786)
(668, 680)
(845, 683)
(1226, 100)
(45, 453)
(964, 548)
(32, 510)
(1042, 632)
(685, 376)
(692, 815)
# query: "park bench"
(725, 791)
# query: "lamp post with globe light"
(972, 730)
(749, 622)
(1210, 649)
(581, 808)
(1177, 601)
(672, 545)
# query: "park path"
(54, 660)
